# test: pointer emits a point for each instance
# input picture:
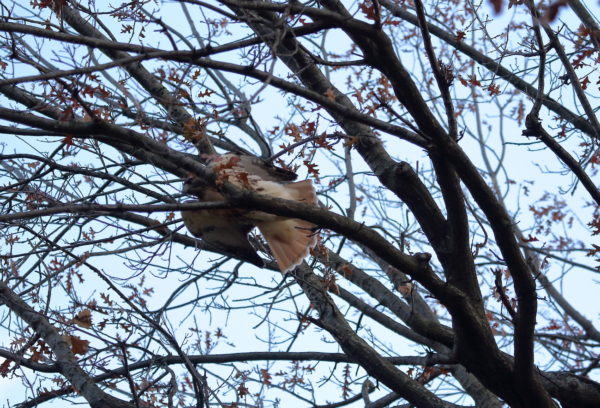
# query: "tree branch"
(65, 360)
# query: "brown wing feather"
(224, 234)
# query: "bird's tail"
(291, 239)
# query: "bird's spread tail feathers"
(291, 239)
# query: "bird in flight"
(289, 239)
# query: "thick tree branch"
(332, 320)
(425, 327)
(65, 360)
(498, 69)
(154, 87)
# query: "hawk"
(289, 239)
